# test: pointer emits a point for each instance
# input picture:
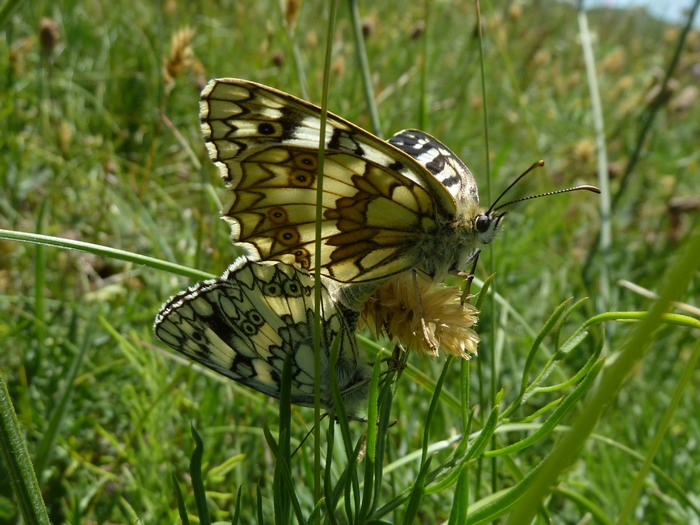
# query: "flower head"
(423, 316)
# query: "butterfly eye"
(483, 223)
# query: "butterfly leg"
(397, 362)
(427, 333)
(470, 276)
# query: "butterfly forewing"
(380, 204)
(244, 324)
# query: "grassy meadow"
(581, 406)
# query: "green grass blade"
(553, 421)
(237, 510)
(433, 407)
(330, 34)
(331, 490)
(39, 279)
(284, 495)
(371, 445)
(104, 251)
(259, 505)
(460, 505)
(363, 66)
(181, 509)
(605, 236)
(200, 494)
(18, 463)
(417, 493)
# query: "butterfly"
(388, 206)
(245, 323)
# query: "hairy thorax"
(447, 249)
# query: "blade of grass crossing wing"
(330, 32)
(285, 498)
(371, 443)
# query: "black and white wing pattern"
(244, 324)
(388, 207)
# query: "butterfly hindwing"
(437, 158)
(244, 324)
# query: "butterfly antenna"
(538, 164)
(583, 187)
(520, 177)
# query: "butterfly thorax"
(446, 249)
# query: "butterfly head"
(483, 226)
(487, 225)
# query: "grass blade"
(18, 463)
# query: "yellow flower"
(423, 317)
